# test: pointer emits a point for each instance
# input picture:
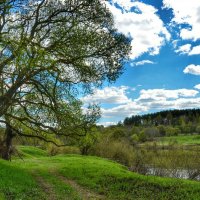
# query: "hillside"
(79, 177)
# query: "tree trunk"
(84, 150)
(7, 143)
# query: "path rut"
(47, 188)
(85, 193)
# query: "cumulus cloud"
(116, 95)
(140, 22)
(187, 13)
(184, 49)
(195, 50)
(192, 69)
(162, 99)
(107, 123)
(131, 108)
(150, 99)
(189, 50)
(187, 103)
(163, 94)
(182, 103)
(157, 99)
(197, 86)
(142, 62)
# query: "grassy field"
(76, 177)
(181, 139)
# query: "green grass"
(115, 182)
(16, 183)
(181, 139)
(61, 189)
(19, 179)
(31, 152)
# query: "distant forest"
(167, 118)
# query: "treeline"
(168, 118)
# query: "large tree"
(50, 52)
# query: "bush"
(142, 137)
(70, 150)
(162, 131)
(134, 138)
(151, 132)
(198, 129)
(139, 161)
(53, 150)
(119, 151)
(135, 130)
(170, 131)
(118, 132)
(188, 129)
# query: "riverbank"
(78, 177)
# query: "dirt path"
(85, 193)
(46, 187)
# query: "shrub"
(142, 136)
(198, 129)
(188, 129)
(119, 151)
(170, 131)
(151, 132)
(54, 150)
(134, 138)
(162, 131)
(70, 150)
(118, 132)
(135, 130)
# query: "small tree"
(142, 136)
(87, 142)
(134, 139)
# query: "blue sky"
(164, 69)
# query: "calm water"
(174, 173)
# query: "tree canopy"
(50, 51)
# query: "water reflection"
(192, 174)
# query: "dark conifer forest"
(167, 117)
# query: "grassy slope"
(19, 179)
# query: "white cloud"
(197, 86)
(188, 49)
(107, 123)
(184, 49)
(115, 95)
(192, 69)
(157, 99)
(182, 103)
(148, 100)
(163, 94)
(195, 50)
(186, 12)
(161, 99)
(143, 25)
(187, 103)
(131, 108)
(178, 104)
(142, 62)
